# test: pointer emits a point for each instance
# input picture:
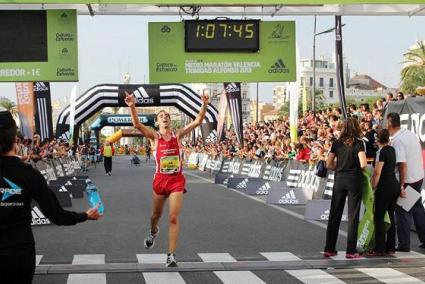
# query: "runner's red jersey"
(168, 156)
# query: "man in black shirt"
(369, 139)
(19, 185)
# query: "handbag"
(321, 170)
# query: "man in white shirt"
(410, 172)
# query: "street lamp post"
(313, 95)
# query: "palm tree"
(413, 75)
(9, 106)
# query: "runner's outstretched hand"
(130, 100)
(93, 213)
(205, 99)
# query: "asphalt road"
(215, 220)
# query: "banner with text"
(25, 102)
(43, 110)
(38, 45)
(274, 62)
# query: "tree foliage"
(413, 75)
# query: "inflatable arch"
(112, 95)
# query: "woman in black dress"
(349, 150)
(387, 190)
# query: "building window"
(331, 82)
(311, 81)
(321, 82)
(302, 81)
(331, 94)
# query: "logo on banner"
(325, 216)
(277, 34)
(275, 174)
(303, 179)
(212, 137)
(278, 67)
(38, 217)
(165, 29)
(65, 37)
(166, 67)
(289, 198)
(263, 190)
(142, 97)
(242, 184)
(232, 88)
(40, 87)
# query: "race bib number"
(169, 164)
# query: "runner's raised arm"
(130, 100)
(188, 128)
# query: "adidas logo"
(63, 189)
(278, 67)
(142, 97)
(242, 184)
(38, 217)
(325, 215)
(264, 190)
(212, 137)
(40, 87)
(232, 88)
(289, 198)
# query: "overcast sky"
(111, 45)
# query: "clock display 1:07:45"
(210, 31)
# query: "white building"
(325, 80)
(214, 90)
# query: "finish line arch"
(112, 95)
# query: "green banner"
(274, 62)
(366, 229)
(61, 62)
(217, 2)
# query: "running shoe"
(352, 255)
(149, 241)
(171, 260)
(374, 253)
(328, 254)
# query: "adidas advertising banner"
(340, 65)
(289, 196)
(318, 210)
(221, 178)
(209, 132)
(38, 218)
(274, 171)
(146, 95)
(169, 62)
(412, 117)
(240, 182)
(62, 194)
(261, 186)
(302, 175)
(43, 110)
(234, 100)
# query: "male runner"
(168, 181)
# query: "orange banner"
(25, 102)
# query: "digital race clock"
(222, 35)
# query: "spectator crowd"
(316, 132)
